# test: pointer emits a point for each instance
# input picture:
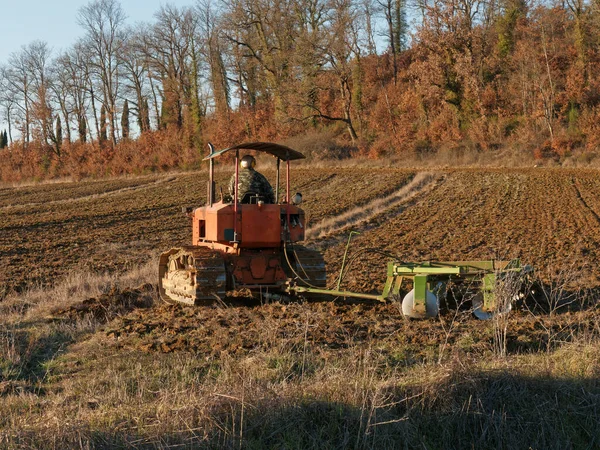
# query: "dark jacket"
(252, 181)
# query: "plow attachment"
(489, 286)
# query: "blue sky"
(24, 21)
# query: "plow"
(243, 241)
(479, 282)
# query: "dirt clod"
(114, 303)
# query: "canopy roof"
(279, 151)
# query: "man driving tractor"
(251, 183)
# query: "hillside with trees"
(335, 77)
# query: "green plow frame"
(429, 278)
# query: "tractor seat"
(250, 198)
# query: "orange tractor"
(247, 243)
(242, 244)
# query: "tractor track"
(582, 200)
(357, 217)
(95, 196)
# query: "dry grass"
(66, 385)
(347, 401)
(76, 287)
(31, 337)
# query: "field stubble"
(97, 361)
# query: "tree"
(3, 139)
(103, 125)
(449, 67)
(7, 100)
(214, 54)
(73, 89)
(61, 89)
(338, 53)
(125, 120)
(17, 82)
(82, 129)
(59, 136)
(38, 58)
(144, 117)
(136, 75)
(170, 50)
(308, 57)
(512, 11)
(103, 22)
(265, 32)
(397, 28)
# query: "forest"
(418, 79)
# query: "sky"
(24, 21)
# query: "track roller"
(191, 274)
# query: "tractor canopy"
(279, 151)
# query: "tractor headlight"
(297, 198)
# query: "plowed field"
(48, 230)
(116, 367)
(548, 218)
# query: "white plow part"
(432, 306)
(486, 315)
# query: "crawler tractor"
(245, 243)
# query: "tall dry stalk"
(556, 290)
(500, 325)
(562, 289)
(463, 296)
(509, 287)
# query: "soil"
(114, 303)
(547, 218)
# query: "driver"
(251, 181)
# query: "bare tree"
(17, 86)
(214, 55)
(7, 100)
(37, 59)
(135, 76)
(266, 33)
(394, 12)
(72, 86)
(27, 96)
(338, 49)
(61, 87)
(170, 50)
(369, 9)
(103, 22)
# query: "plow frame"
(433, 276)
(430, 280)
